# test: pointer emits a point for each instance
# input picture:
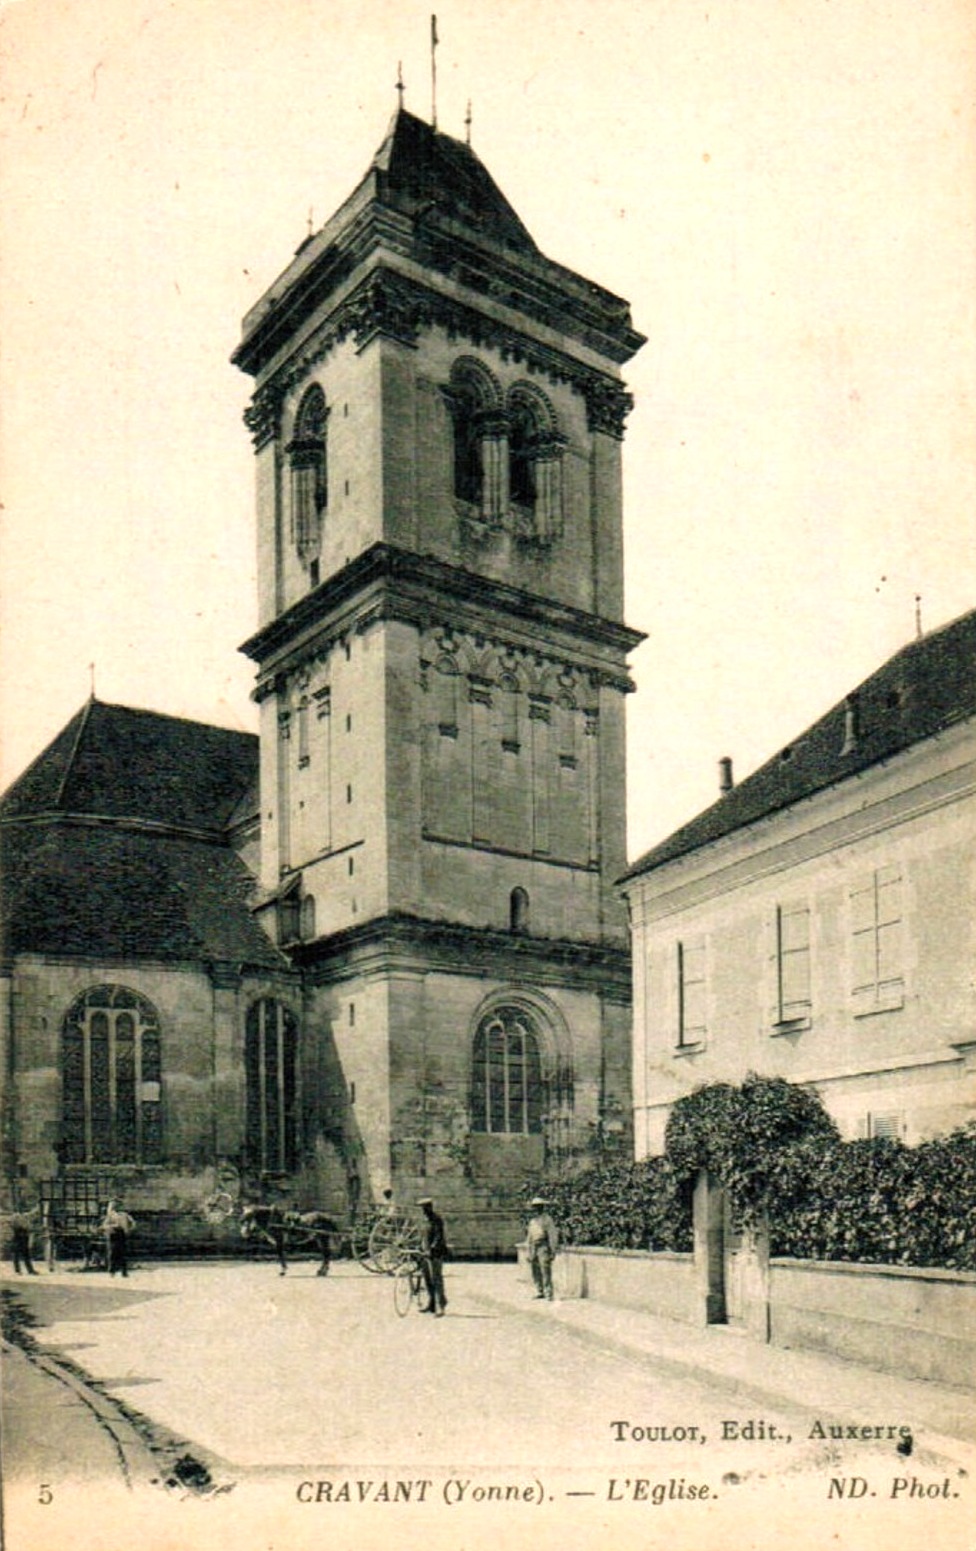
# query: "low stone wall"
(656, 1281)
(917, 1323)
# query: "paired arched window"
(308, 466)
(111, 1079)
(507, 1089)
(507, 453)
(270, 1063)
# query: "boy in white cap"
(542, 1238)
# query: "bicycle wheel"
(403, 1289)
(421, 1291)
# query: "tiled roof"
(923, 689)
(114, 842)
(107, 893)
(116, 762)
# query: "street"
(310, 1394)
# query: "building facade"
(817, 923)
(435, 996)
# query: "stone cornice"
(532, 284)
(389, 583)
(388, 304)
(402, 942)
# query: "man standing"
(21, 1224)
(435, 1252)
(542, 1238)
(117, 1225)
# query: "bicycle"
(410, 1286)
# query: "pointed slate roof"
(118, 762)
(924, 689)
(421, 165)
(114, 842)
(429, 199)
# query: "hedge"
(779, 1155)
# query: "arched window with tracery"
(270, 1064)
(478, 425)
(535, 450)
(308, 465)
(111, 1079)
(508, 1094)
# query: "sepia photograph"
(488, 774)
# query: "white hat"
(425, 1201)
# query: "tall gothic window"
(507, 1088)
(308, 466)
(111, 1079)
(270, 1062)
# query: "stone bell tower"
(441, 657)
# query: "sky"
(784, 190)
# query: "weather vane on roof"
(918, 616)
(433, 72)
(399, 82)
(467, 124)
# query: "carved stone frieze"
(396, 308)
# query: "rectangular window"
(792, 964)
(890, 1126)
(877, 982)
(691, 993)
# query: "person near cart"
(117, 1226)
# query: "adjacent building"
(818, 922)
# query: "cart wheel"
(403, 1289)
(391, 1240)
(359, 1243)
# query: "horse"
(279, 1225)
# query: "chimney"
(852, 724)
(725, 781)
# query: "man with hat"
(435, 1252)
(542, 1239)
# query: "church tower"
(441, 671)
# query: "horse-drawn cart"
(72, 1212)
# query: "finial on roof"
(918, 616)
(91, 676)
(399, 83)
(467, 124)
(311, 218)
(433, 72)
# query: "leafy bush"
(780, 1156)
(621, 1206)
(877, 1201)
(738, 1133)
